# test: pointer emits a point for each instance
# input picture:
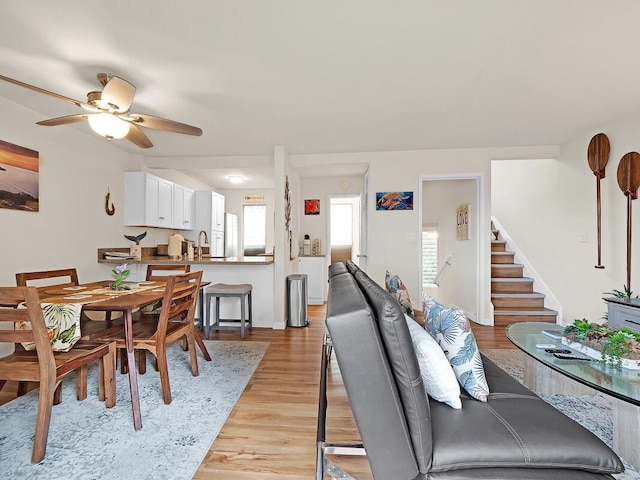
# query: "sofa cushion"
(440, 383)
(398, 289)
(452, 330)
(403, 362)
(513, 431)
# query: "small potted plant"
(119, 274)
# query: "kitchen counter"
(164, 259)
(258, 271)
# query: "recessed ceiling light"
(236, 178)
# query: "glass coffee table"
(544, 373)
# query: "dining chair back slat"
(44, 278)
(44, 365)
(160, 272)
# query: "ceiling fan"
(108, 112)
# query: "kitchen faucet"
(206, 242)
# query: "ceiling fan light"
(236, 178)
(108, 125)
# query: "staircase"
(512, 293)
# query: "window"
(429, 256)
(254, 227)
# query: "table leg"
(131, 364)
(199, 339)
(626, 428)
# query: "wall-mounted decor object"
(254, 198)
(394, 200)
(287, 205)
(463, 218)
(110, 209)
(19, 178)
(629, 181)
(312, 207)
(598, 156)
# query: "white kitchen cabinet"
(209, 216)
(148, 200)
(209, 211)
(183, 207)
(313, 267)
(216, 244)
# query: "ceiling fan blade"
(118, 94)
(52, 122)
(42, 90)
(158, 123)
(138, 137)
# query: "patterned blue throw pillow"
(452, 330)
(396, 288)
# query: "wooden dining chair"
(159, 273)
(45, 366)
(47, 278)
(153, 271)
(63, 277)
(175, 321)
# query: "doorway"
(343, 228)
(455, 276)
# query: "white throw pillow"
(452, 330)
(440, 382)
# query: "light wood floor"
(271, 432)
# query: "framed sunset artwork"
(19, 178)
(312, 207)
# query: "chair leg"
(43, 419)
(142, 362)
(81, 382)
(192, 352)
(107, 386)
(124, 361)
(163, 368)
(250, 311)
(206, 320)
(242, 316)
(57, 395)
(23, 387)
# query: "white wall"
(321, 188)
(76, 169)
(459, 281)
(548, 206)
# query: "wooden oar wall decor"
(629, 181)
(598, 156)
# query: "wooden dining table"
(97, 297)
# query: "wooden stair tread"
(503, 253)
(507, 265)
(518, 295)
(513, 279)
(541, 312)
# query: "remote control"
(545, 345)
(570, 356)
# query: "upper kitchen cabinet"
(148, 200)
(183, 207)
(209, 208)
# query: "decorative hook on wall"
(110, 209)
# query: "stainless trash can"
(297, 300)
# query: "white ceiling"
(327, 76)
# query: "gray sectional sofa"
(407, 435)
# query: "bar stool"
(220, 290)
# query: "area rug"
(592, 412)
(89, 441)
